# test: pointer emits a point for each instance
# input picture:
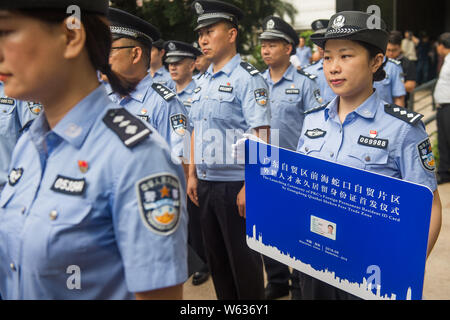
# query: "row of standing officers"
(122, 207)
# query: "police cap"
(97, 6)
(210, 12)
(159, 44)
(177, 51)
(277, 28)
(320, 25)
(356, 26)
(126, 25)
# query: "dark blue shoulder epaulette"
(404, 114)
(316, 109)
(127, 127)
(307, 74)
(163, 91)
(249, 68)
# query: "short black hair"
(444, 39)
(380, 74)
(395, 38)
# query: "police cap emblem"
(172, 46)
(270, 24)
(338, 22)
(199, 8)
(159, 200)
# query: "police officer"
(201, 64)
(316, 68)
(157, 68)
(291, 92)
(15, 116)
(353, 59)
(233, 98)
(392, 88)
(94, 205)
(152, 102)
(180, 57)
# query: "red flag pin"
(373, 133)
(83, 165)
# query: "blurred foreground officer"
(442, 98)
(291, 92)
(398, 143)
(94, 205)
(150, 101)
(158, 70)
(232, 99)
(180, 57)
(15, 116)
(316, 68)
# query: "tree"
(176, 20)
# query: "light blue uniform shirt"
(325, 89)
(304, 55)
(162, 76)
(290, 97)
(164, 114)
(227, 104)
(371, 139)
(393, 85)
(103, 221)
(186, 94)
(14, 116)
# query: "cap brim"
(378, 39)
(208, 22)
(173, 59)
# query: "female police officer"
(94, 207)
(353, 59)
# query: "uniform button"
(332, 155)
(12, 266)
(23, 210)
(53, 215)
(367, 159)
(306, 149)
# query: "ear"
(74, 35)
(192, 66)
(232, 35)
(136, 54)
(289, 48)
(377, 62)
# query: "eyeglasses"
(123, 47)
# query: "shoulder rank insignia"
(249, 68)
(316, 109)
(397, 62)
(404, 114)
(130, 129)
(163, 91)
(307, 74)
(159, 200)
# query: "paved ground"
(437, 271)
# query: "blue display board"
(358, 231)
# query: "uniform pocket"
(369, 159)
(6, 117)
(311, 146)
(223, 106)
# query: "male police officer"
(157, 69)
(152, 102)
(291, 93)
(15, 116)
(392, 89)
(232, 99)
(180, 57)
(316, 68)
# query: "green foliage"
(434, 146)
(176, 20)
(307, 36)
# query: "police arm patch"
(261, 97)
(426, 155)
(179, 123)
(159, 201)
